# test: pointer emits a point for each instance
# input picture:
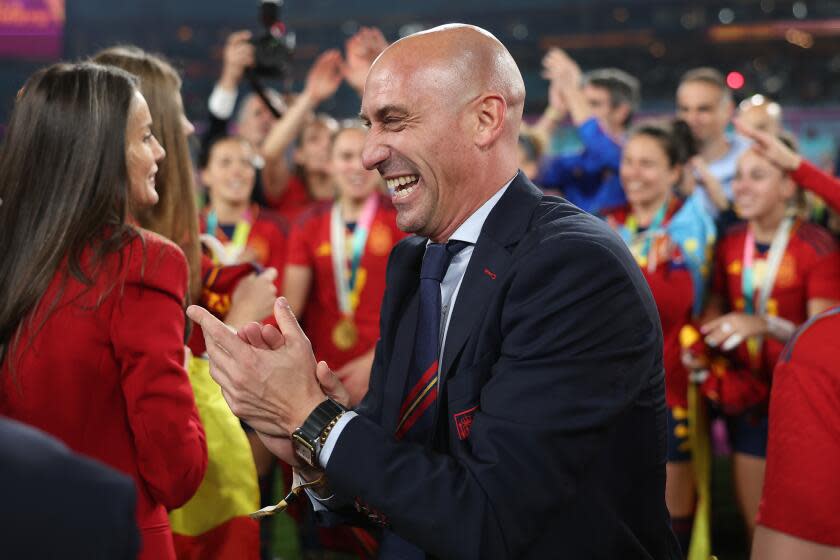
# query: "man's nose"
(373, 153)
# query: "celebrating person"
(760, 113)
(93, 306)
(601, 109)
(704, 101)
(508, 384)
(235, 229)
(803, 172)
(672, 240)
(337, 259)
(771, 274)
(798, 517)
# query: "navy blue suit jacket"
(55, 504)
(551, 427)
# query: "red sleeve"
(810, 177)
(801, 492)
(823, 280)
(298, 249)
(148, 336)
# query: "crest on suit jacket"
(463, 422)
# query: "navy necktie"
(416, 416)
(418, 408)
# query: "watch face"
(304, 449)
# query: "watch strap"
(320, 418)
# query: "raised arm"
(322, 81)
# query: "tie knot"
(437, 258)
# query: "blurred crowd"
(734, 231)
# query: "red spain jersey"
(309, 246)
(266, 243)
(810, 269)
(671, 285)
(294, 200)
(801, 492)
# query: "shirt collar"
(471, 228)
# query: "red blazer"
(105, 375)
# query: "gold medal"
(345, 334)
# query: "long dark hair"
(63, 183)
(175, 216)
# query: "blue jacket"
(588, 179)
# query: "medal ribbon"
(632, 226)
(233, 249)
(774, 261)
(344, 285)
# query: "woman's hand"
(253, 298)
(732, 329)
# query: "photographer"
(287, 189)
(254, 119)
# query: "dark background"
(654, 40)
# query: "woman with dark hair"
(92, 321)
(213, 524)
(175, 215)
(168, 216)
(672, 239)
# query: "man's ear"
(491, 112)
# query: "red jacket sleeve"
(147, 329)
(810, 177)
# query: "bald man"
(516, 406)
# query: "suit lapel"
(407, 281)
(504, 227)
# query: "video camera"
(274, 47)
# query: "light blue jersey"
(724, 170)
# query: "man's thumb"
(285, 318)
(331, 384)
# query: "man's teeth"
(397, 182)
(402, 193)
